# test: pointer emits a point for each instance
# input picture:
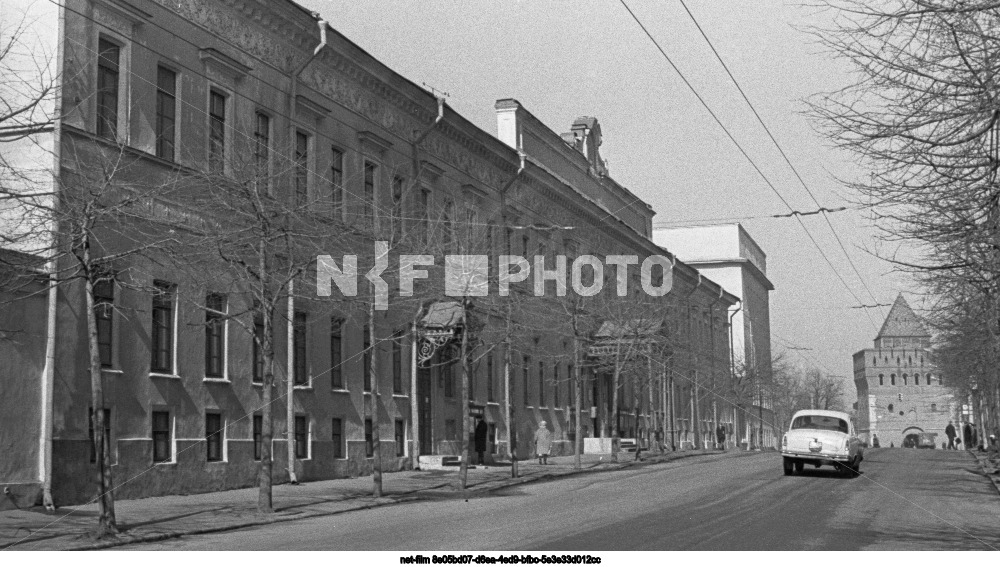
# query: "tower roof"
(902, 322)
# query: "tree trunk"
(265, 504)
(376, 442)
(464, 410)
(577, 402)
(107, 523)
(615, 434)
(290, 379)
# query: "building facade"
(728, 255)
(179, 90)
(901, 395)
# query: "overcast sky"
(564, 59)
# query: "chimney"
(587, 135)
(508, 126)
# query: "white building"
(727, 254)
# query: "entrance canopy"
(441, 324)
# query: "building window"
(881, 379)
(555, 385)
(525, 371)
(258, 355)
(215, 307)
(301, 370)
(366, 359)
(572, 385)
(490, 386)
(258, 432)
(397, 193)
(397, 363)
(90, 432)
(890, 407)
(916, 379)
(933, 407)
(369, 194)
(904, 379)
(104, 301)
(541, 384)
(448, 229)
(338, 438)
(162, 346)
(337, 183)
(369, 443)
(447, 375)
(108, 70)
(892, 379)
(336, 353)
(166, 112)
(424, 211)
(301, 437)
(163, 450)
(216, 132)
(301, 168)
(400, 438)
(262, 150)
(213, 436)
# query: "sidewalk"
(164, 517)
(990, 464)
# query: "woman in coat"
(543, 443)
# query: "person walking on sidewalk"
(967, 436)
(720, 436)
(481, 431)
(950, 432)
(543, 443)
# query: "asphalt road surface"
(906, 499)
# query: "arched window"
(933, 407)
(892, 379)
(881, 379)
(904, 379)
(916, 379)
(874, 361)
(890, 407)
(909, 361)
(898, 361)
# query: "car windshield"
(822, 422)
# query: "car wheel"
(787, 466)
(799, 466)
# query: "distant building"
(728, 255)
(901, 395)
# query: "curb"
(982, 461)
(411, 496)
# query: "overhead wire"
(742, 151)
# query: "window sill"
(404, 396)
(165, 464)
(493, 404)
(112, 371)
(307, 388)
(340, 391)
(164, 375)
(219, 462)
(217, 380)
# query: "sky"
(565, 59)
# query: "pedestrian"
(875, 441)
(720, 436)
(967, 435)
(975, 436)
(481, 431)
(543, 443)
(950, 432)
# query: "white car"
(821, 437)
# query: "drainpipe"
(711, 333)
(290, 372)
(508, 406)
(414, 145)
(732, 365)
(694, 356)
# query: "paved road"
(906, 499)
